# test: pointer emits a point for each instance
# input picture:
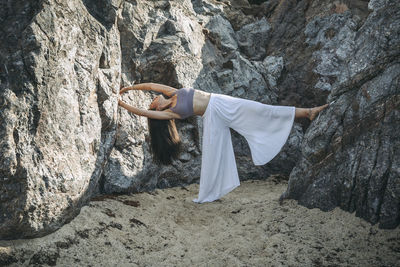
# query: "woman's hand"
(124, 89)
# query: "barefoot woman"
(265, 127)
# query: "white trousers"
(265, 127)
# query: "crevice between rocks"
(385, 176)
(349, 206)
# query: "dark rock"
(109, 213)
(116, 225)
(135, 222)
(7, 258)
(132, 203)
(83, 234)
(350, 155)
(253, 39)
(44, 257)
(67, 243)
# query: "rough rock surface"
(350, 156)
(59, 75)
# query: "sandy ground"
(246, 228)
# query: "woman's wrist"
(121, 103)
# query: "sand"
(248, 227)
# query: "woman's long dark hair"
(165, 143)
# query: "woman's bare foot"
(313, 112)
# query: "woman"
(265, 127)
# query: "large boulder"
(350, 155)
(60, 74)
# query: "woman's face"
(159, 103)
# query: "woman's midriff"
(200, 102)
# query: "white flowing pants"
(265, 127)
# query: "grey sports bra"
(184, 102)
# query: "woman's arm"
(152, 114)
(164, 89)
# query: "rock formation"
(350, 156)
(63, 139)
(60, 76)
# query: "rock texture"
(350, 156)
(63, 139)
(59, 75)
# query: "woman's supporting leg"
(309, 113)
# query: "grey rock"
(253, 38)
(350, 155)
(336, 35)
(377, 4)
(222, 34)
(206, 8)
(271, 69)
(58, 98)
